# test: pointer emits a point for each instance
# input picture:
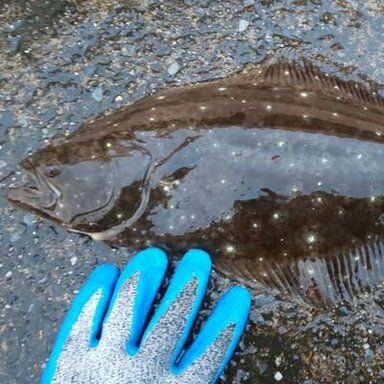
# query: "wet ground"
(62, 62)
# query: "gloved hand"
(105, 338)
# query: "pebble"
(243, 25)
(15, 238)
(29, 220)
(97, 94)
(173, 69)
(248, 3)
(91, 69)
(73, 260)
(2, 164)
(369, 355)
(7, 120)
(263, 299)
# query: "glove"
(108, 338)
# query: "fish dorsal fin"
(303, 74)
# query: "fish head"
(74, 183)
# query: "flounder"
(277, 171)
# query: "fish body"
(277, 171)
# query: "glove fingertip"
(196, 261)
(154, 259)
(102, 274)
(239, 300)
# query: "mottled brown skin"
(121, 178)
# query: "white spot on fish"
(230, 248)
(311, 238)
(278, 376)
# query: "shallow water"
(96, 56)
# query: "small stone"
(173, 69)
(118, 98)
(73, 260)
(262, 300)
(161, 50)
(8, 274)
(97, 94)
(243, 25)
(248, 3)
(7, 119)
(29, 220)
(334, 342)
(369, 355)
(15, 238)
(91, 69)
(15, 43)
(2, 164)
(278, 376)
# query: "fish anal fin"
(344, 277)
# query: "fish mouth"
(39, 195)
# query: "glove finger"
(209, 354)
(173, 319)
(82, 325)
(134, 294)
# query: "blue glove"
(107, 337)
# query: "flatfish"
(277, 171)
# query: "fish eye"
(51, 171)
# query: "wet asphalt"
(62, 62)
